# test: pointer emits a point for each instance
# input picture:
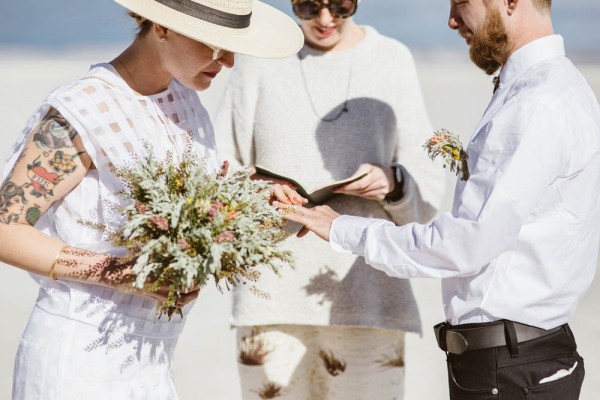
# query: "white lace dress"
(89, 342)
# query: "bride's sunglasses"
(309, 9)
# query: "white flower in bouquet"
(184, 225)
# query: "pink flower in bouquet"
(184, 244)
(140, 207)
(223, 171)
(186, 224)
(214, 208)
(225, 237)
(160, 222)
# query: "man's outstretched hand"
(317, 220)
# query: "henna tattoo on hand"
(85, 265)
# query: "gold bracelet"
(51, 272)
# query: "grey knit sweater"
(271, 114)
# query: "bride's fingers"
(188, 297)
(194, 288)
(294, 196)
(272, 180)
(286, 194)
(162, 295)
(154, 295)
(278, 194)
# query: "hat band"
(208, 14)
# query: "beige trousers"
(299, 362)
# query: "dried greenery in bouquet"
(447, 145)
(185, 225)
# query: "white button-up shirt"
(522, 240)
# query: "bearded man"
(520, 247)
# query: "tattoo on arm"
(62, 162)
(85, 265)
(49, 158)
(54, 132)
(42, 181)
(13, 203)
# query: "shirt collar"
(531, 54)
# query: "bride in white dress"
(85, 339)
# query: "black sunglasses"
(309, 9)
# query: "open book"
(317, 195)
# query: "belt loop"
(511, 339)
(440, 332)
(568, 331)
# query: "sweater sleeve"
(423, 181)
(234, 119)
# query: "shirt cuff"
(346, 233)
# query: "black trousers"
(494, 374)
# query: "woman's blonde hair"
(143, 24)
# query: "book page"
(316, 195)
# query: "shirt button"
(494, 391)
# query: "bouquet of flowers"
(185, 225)
(446, 144)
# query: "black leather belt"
(460, 338)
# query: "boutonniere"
(446, 144)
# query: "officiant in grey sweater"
(348, 103)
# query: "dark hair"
(7, 192)
(143, 24)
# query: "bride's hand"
(283, 191)
(284, 194)
(260, 177)
(162, 295)
(86, 266)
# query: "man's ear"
(512, 5)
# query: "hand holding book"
(375, 182)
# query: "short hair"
(542, 5)
(143, 24)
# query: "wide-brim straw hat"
(242, 26)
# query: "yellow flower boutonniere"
(446, 144)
